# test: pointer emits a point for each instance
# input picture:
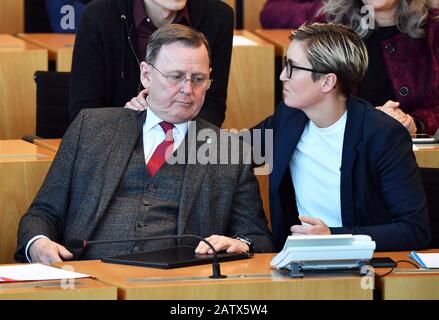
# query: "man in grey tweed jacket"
(98, 186)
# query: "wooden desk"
(23, 167)
(428, 156)
(278, 37)
(78, 289)
(11, 16)
(247, 279)
(18, 62)
(251, 85)
(49, 144)
(59, 45)
(407, 286)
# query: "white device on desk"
(324, 252)
(425, 138)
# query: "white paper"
(36, 272)
(426, 260)
(243, 41)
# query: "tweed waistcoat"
(142, 206)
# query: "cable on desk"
(391, 270)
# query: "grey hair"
(172, 33)
(410, 16)
(334, 48)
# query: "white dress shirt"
(153, 134)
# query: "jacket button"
(403, 91)
(137, 249)
(146, 203)
(140, 224)
(390, 48)
(150, 187)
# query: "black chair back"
(53, 116)
(430, 179)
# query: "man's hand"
(138, 103)
(313, 226)
(47, 252)
(222, 243)
(392, 109)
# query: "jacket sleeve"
(248, 218)
(430, 115)
(284, 14)
(46, 215)
(220, 40)
(402, 191)
(58, 11)
(87, 80)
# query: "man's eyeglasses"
(290, 66)
(179, 79)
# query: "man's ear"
(144, 74)
(329, 82)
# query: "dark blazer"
(381, 191)
(105, 71)
(215, 198)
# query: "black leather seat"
(53, 116)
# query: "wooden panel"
(408, 283)
(23, 167)
(11, 16)
(428, 156)
(247, 279)
(252, 10)
(251, 83)
(64, 60)
(278, 37)
(59, 45)
(264, 192)
(79, 289)
(18, 63)
(251, 91)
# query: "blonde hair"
(410, 16)
(334, 48)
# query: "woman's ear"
(329, 82)
(144, 74)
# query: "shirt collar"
(139, 14)
(152, 120)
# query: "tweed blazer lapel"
(193, 177)
(125, 139)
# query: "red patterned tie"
(163, 150)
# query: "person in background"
(111, 179)
(340, 166)
(288, 14)
(111, 43)
(402, 79)
(64, 15)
